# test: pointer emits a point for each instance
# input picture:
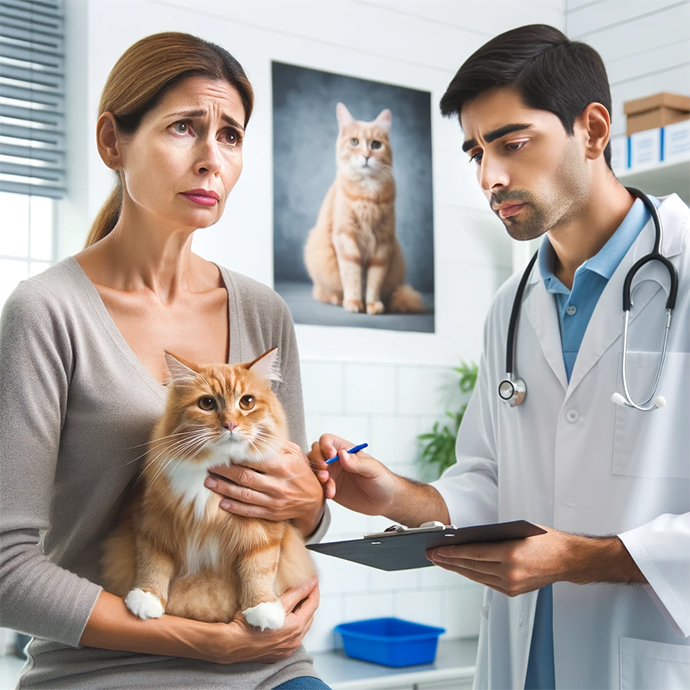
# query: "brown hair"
(142, 77)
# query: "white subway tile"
(352, 428)
(322, 387)
(363, 607)
(461, 610)
(370, 388)
(321, 637)
(346, 522)
(313, 428)
(337, 576)
(419, 607)
(393, 581)
(394, 440)
(428, 391)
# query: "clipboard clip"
(433, 526)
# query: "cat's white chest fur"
(203, 554)
(187, 478)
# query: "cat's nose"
(231, 426)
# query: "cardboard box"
(658, 110)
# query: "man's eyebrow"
(192, 114)
(496, 134)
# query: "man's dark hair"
(547, 69)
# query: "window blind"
(32, 140)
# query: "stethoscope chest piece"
(512, 391)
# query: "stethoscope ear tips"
(618, 399)
(659, 401)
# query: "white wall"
(380, 387)
(645, 45)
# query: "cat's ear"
(384, 120)
(267, 366)
(344, 117)
(180, 370)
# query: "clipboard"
(402, 548)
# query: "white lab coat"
(571, 459)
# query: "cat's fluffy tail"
(406, 300)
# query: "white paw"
(269, 614)
(144, 604)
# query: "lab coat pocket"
(648, 665)
(655, 443)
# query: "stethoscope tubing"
(654, 255)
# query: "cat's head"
(222, 412)
(363, 149)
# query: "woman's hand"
(284, 489)
(238, 641)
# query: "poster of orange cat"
(352, 254)
(353, 210)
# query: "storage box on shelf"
(656, 111)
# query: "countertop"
(454, 659)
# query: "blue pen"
(352, 450)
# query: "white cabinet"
(458, 684)
(453, 669)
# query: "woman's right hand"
(238, 642)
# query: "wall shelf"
(661, 179)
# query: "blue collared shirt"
(575, 308)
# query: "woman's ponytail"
(107, 217)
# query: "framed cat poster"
(353, 218)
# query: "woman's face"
(186, 155)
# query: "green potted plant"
(438, 445)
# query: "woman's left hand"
(284, 489)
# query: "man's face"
(533, 173)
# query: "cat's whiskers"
(261, 443)
(190, 449)
(155, 444)
(170, 452)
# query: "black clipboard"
(406, 549)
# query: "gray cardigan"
(77, 405)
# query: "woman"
(82, 361)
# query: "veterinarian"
(82, 373)
(602, 600)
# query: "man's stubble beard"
(570, 189)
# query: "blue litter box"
(390, 641)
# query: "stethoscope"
(512, 389)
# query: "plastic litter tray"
(390, 641)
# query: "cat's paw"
(269, 614)
(375, 308)
(144, 604)
(353, 305)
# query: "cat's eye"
(375, 145)
(207, 403)
(354, 141)
(247, 402)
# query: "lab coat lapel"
(606, 324)
(540, 310)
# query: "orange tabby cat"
(353, 241)
(174, 549)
